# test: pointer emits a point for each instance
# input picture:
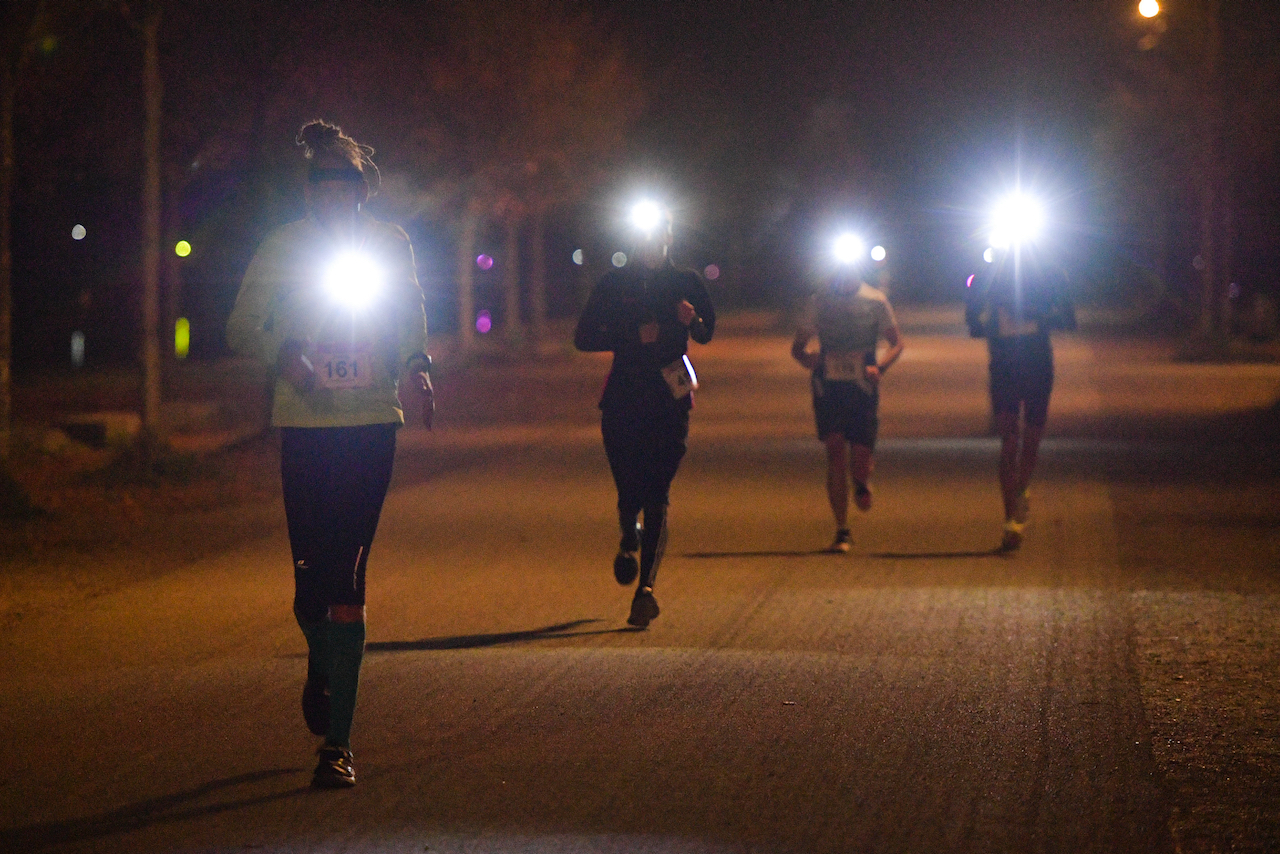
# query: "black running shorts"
(844, 408)
(1022, 376)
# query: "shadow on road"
(713, 555)
(163, 810)
(559, 630)
(996, 552)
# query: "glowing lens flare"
(849, 248)
(1017, 219)
(646, 216)
(181, 337)
(182, 249)
(353, 280)
(1149, 8)
(877, 253)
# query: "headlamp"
(1015, 220)
(353, 280)
(647, 216)
(849, 248)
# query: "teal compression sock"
(346, 651)
(317, 651)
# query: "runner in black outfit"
(1015, 308)
(645, 314)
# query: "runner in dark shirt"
(645, 313)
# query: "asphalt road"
(1111, 688)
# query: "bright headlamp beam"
(849, 248)
(353, 280)
(646, 216)
(1016, 219)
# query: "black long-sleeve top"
(1033, 302)
(621, 302)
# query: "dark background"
(764, 125)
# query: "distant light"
(1148, 8)
(182, 338)
(619, 259)
(182, 249)
(647, 216)
(1233, 292)
(849, 248)
(989, 255)
(877, 253)
(484, 322)
(78, 232)
(1199, 263)
(1018, 218)
(968, 283)
(484, 262)
(353, 280)
(49, 44)
(77, 348)
(577, 257)
(712, 272)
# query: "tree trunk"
(512, 328)
(153, 93)
(467, 278)
(538, 277)
(7, 98)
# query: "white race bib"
(680, 377)
(344, 367)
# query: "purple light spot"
(484, 322)
(712, 272)
(968, 283)
(484, 262)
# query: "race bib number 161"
(344, 367)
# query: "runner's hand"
(294, 366)
(418, 387)
(873, 375)
(685, 312)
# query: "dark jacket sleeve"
(700, 298)
(595, 332)
(975, 309)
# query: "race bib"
(680, 377)
(845, 367)
(344, 367)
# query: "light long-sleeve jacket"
(358, 354)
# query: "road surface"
(1111, 688)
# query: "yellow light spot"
(1149, 8)
(182, 249)
(182, 337)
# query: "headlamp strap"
(318, 174)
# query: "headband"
(351, 175)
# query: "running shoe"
(335, 770)
(1023, 508)
(1012, 539)
(315, 706)
(644, 608)
(842, 543)
(626, 566)
(862, 496)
